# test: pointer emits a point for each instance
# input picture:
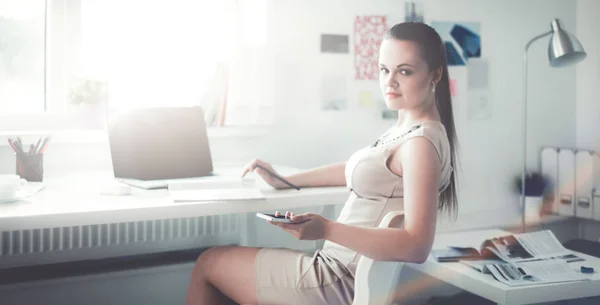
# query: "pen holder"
(30, 167)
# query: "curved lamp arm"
(524, 124)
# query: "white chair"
(376, 281)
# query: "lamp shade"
(564, 49)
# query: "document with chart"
(527, 259)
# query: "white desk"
(486, 286)
(75, 200)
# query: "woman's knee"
(208, 261)
(229, 269)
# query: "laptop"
(152, 147)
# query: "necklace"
(381, 142)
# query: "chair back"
(375, 282)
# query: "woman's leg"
(222, 275)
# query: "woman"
(410, 168)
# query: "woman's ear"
(437, 75)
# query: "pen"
(37, 145)
(44, 145)
(277, 177)
(16, 146)
(10, 142)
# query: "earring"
(433, 86)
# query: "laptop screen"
(159, 143)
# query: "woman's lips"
(392, 95)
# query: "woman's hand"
(307, 226)
(252, 167)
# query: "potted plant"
(89, 97)
(537, 186)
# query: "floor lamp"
(564, 50)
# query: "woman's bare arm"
(412, 243)
(327, 175)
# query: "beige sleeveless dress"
(285, 276)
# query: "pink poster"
(453, 90)
(368, 34)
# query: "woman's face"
(404, 77)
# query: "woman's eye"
(384, 70)
(405, 72)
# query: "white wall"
(588, 76)
(304, 136)
(490, 149)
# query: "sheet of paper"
(480, 265)
(542, 244)
(535, 272)
(217, 195)
(478, 74)
(333, 93)
(212, 183)
(365, 99)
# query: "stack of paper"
(217, 189)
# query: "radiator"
(59, 244)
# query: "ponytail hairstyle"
(434, 53)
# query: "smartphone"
(273, 218)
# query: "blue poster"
(462, 40)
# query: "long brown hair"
(434, 53)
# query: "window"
(22, 56)
(149, 54)
(159, 53)
(176, 53)
(249, 100)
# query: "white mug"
(10, 185)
